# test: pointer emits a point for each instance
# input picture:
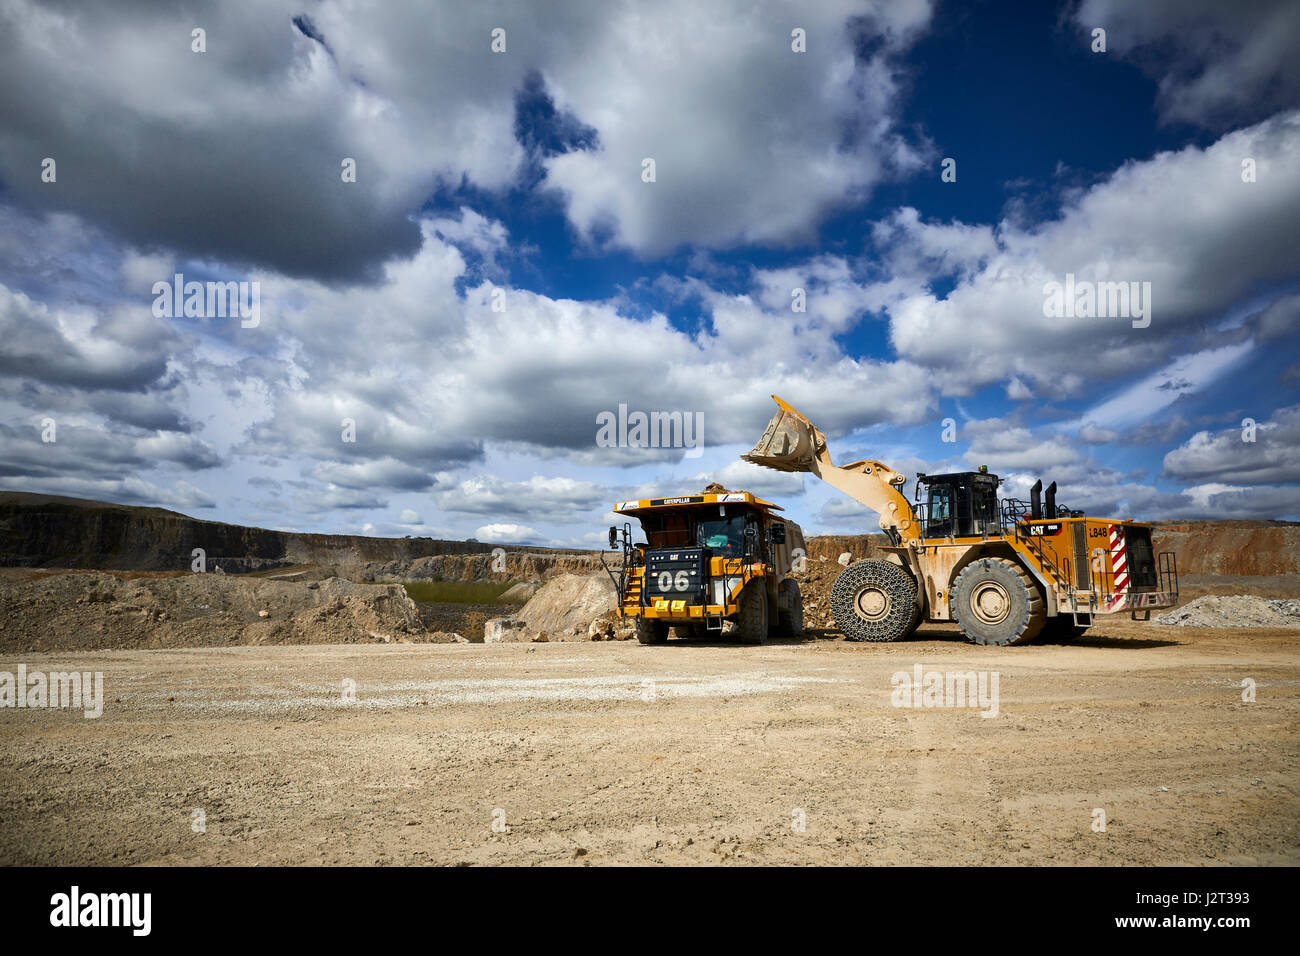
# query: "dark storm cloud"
(231, 154)
(234, 153)
(124, 349)
(95, 453)
(1217, 64)
(151, 411)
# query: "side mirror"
(613, 536)
(777, 533)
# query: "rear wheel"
(874, 601)
(751, 623)
(650, 631)
(996, 602)
(790, 617)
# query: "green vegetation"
(458, 592)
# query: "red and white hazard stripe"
(1118, 559)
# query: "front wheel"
(751, 623)
(874, 601)
(650, 631)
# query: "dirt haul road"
(686, 753)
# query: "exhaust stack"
(1051, 500)
(1036, 500)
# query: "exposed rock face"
(514, 565)
(566, 605)
(1231, 547)
(55, 532)
(858, 546)
(47, 531)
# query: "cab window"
(940, 510)
(666, 530)
(725, 535)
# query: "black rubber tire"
(789, 619)
(916, 613)
(651, 631)
(874, 601)
(751, 622)
(995, 601)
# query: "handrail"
(1062, 575)
(620, 583)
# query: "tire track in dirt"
(952, 807)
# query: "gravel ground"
(683, 753)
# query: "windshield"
(725, 534)
(940, 502)
(939, 512)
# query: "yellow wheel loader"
(707, 560)
(1007, 571)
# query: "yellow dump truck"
(711, 565)
(1005, 570)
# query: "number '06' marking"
(682, 582)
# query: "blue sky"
(500, 273)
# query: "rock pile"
(570, 607)
(1234, 611)
(97, 610)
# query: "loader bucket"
(789, 443)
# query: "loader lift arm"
(792, 443)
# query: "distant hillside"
(1251, 548)
(47, 531)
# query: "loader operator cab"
(960, 504)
